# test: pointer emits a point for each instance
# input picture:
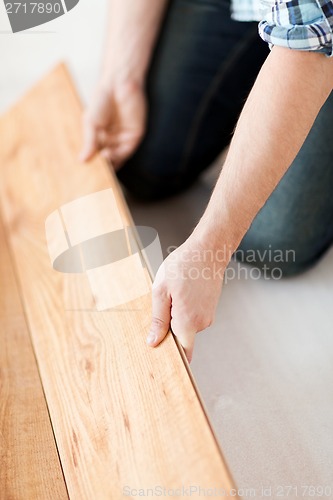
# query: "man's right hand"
(114, 123)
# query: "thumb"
(161, 317)
(90, 142)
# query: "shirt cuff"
(298, 24)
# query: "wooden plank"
(29, 463)
(123, 414)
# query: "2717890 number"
(31, 8)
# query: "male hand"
(186, 291)
(114, 122)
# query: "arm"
(114, 121)
(132, 31)
(278, 115)
(281, 108)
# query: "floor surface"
(265, 367)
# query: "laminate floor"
(271, 400)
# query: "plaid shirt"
(295, 24)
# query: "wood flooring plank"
(29, 463)
(123, 414)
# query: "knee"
(280, 255)
(270, 260)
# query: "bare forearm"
(281, 108)
(132, 30)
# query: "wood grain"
(29, 463)
(123, 414)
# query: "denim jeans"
(202, 70)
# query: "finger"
(119, 155)
(106, 153)
(90, 142)
(123, 149)
(102, 138)
(161, 317)
(185, 335)
(114, 138)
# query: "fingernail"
(151, 339)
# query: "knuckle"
(200, 325)
(202, 322)
(209, 320)
(157, 323)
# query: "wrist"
(220, 233)
(117, 75)
(118, 90)
(213, 241)
(125, 60)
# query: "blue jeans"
(203, 68)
